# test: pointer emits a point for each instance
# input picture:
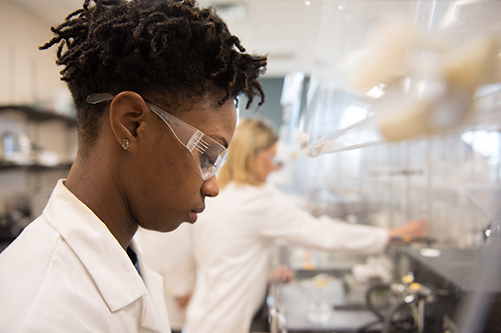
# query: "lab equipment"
(403, 121)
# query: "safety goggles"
(209, 154)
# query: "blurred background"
(387, 111)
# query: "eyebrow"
(218, 137)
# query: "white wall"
(27, 75)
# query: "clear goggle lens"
(209, 154)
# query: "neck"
(91, 183)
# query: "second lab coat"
(232, 242)
(66, 272)
(170, 254)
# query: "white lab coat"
(232, 242)
(67, 273)
(171, 255)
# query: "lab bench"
(458, 276)
(331, 300)
(325, 303)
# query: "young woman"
(235, 234)
(154, 83)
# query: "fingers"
(408, 231)
(281, 274)
(415, 228)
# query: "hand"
(183, 301)
(410, 230)
(281, 274)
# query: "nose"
(210, 188)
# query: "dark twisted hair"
(161, 49)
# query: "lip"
(194, 214)
(198, 210)
(193, 217)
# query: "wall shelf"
(38, 149)
(7, 165)
(37, 114)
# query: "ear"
(127, 116)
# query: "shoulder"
(35, 274)
(32, 250)
(44, 287)
(67, 300)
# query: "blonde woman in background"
(234, 236)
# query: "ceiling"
(282, 29)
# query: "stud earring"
(125, 144)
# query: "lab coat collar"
(102, 255)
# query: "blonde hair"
(252, 136)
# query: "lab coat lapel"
(106, 261)
(154, 310)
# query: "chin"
(172, 227)
(164, 227)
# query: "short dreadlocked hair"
(153, 47)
